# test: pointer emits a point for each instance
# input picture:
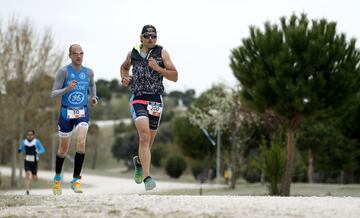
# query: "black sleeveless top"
(144, 79)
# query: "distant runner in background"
(31, 147)
(73, 83)
(150, 64)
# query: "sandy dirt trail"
(117, 197)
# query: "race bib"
(74, 113)
(30, 158)
(154, 108)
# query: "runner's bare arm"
(169, 72)
(124, 70)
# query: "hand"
(94, 101)
(71, 85)
(126, 80)
(153, 64)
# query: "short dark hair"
(70, 48)
(148, 29)
(31, 130)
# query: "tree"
(296, 70)
(220, 110)
(102, 90)
(187, 97)
(334, 155)
(125, 146)
(25, 56)
(93, 141)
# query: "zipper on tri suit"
(147, 59)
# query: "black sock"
(59, 164)
(137, 162)
(79, 159)
(148, 177)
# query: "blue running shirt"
(77, 97)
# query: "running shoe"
(27, 192)
(75, 186)
(57, 187)
(138, 174)
(150, 183)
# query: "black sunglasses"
(148, 36)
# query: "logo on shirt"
(82, 75)
(76, 98)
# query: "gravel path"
(116, 197)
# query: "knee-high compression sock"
(79, 159)
(59, 164)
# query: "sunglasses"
(148, 36)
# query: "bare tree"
(25, 57)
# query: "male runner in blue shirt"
(73, 82)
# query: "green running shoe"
(138, 173)
(150, 183)
(57, 187)
(75, 186)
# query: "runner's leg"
(64, 144)
(80, 149)
(142, 126)
(27, 180)
(152, 137)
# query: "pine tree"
(296, 70)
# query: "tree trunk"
(13, 164)
(310, 172)
(289, 163)
(21, 134)
(262, 177)
(93, 165)
(233, 170)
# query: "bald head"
(76, 55)
(74, 47)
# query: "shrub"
(157, 154)
(202, 172)
(274, 161)
(175, 166)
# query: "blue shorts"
(147, 105)
(65, 125)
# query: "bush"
(252, 172)
(157, 154)
(201, 172)
(274, 161)
(175, 166)
(197, 168)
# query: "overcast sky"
(198, 34)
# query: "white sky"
(198, 34)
